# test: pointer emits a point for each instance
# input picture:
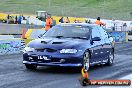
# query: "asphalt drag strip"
(13, 73)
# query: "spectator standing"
(89, 21)
(114, 25)
(8, 17)
(98, 22)
(61, 20)
(124, 27)
(67, 20)
(23, 17)
(19, 19)
(86, 20)
(75, 21)
(48, 24)
(16, 20)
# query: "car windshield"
(80, 32)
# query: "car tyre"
(110, 58)
(86, 62)
(31, 67)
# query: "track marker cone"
(84, 81)
(23, 33)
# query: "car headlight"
(28, 49)
(68, 51)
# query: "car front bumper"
(54, 60)
(54, 64)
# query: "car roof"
(77, 24)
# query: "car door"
(96, 47)
(105, 43)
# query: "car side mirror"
(96, 39)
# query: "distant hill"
(117, 9)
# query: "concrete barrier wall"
(6, 36)
(10, 28)
(11, 46)
(34, 33)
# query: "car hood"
(58, 43)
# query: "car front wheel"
(86, 62)
(110, 58)
(31, 67)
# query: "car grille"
(46, 50)
(35, 58)
(40, 50)
(44, 42)
(55, 60)
(57, 42)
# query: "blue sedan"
(70, 44)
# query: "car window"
(69, 31)
(95, 32)
(104, 35)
